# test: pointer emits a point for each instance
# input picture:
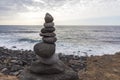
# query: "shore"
(106, 67)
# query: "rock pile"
(48, 66)
(12, 62)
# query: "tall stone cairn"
(48, 66)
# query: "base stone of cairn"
(48, 66)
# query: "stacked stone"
(46, 49)
(47, 32)
(48, 66)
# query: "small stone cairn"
(48, 66)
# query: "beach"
(105, 67)
(92, 52)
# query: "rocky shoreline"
(12, 62)
(106, 67)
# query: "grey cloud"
(48, 4)
(10, 8)
(7, 6)
(13, 5)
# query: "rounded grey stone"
(48, 34)
(49, 61)
(46, 30)
(44, 50)
(50, 40)
(68, 74)
(54, 68)
(48, 18)
(49, 25)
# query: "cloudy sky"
(65, 12)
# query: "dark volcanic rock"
(44, 50)
(68, 74)
(41, 68)
(48, 18)
(9, 58)
(16, 68)
(49, 25)
(50, 40)
(49, 61)
(48, 34)
(46, 30)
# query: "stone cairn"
(48, 66)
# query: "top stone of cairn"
(48, 18)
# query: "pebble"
(15, 68)
(4, 69)
(14, 61)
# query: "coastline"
(106, 67)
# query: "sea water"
(77, 40)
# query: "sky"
(65, 12)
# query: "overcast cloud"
(65, 11)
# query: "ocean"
(77, 40)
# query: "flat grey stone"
(44, 50)
(47, 30)
(50, 40)
(40, 68)
(49, 25)
(48, 61)
(67, 74)
(48, 34)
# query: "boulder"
(44, 50)
(67, 74)
(44, 69)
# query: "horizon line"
(55, 25)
